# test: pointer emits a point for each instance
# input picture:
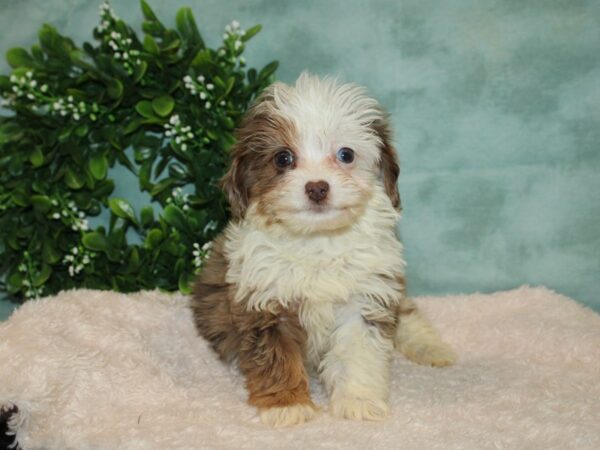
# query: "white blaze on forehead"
(328, 115)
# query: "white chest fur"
(270, 265)
(326, 277)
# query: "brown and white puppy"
(309, 274)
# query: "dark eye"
(345, 155)
(283, 159)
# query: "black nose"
(317, 190)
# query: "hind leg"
(418, 341)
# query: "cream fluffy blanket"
(101, 370)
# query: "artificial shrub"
(164, 106)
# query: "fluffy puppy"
(309, 274)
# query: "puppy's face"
(308, 156)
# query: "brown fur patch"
(390, 168)
(253, 173)
(269, 346)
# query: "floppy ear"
(235, 185)
(390, 170)
(239, 178)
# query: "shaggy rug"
(100, 370)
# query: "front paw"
(356, 408)
(287, 416)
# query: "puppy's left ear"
(390, 170)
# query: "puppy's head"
(308, 156)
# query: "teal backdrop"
(496, 108)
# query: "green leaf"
(174, 216)
(184, 283)
(41, 203)
(133, 263)
(74, 180)
(147, 11)
(122, 208)
(18, 57)
(144, 109)
(229, 86)
(19, 197)
(104, 189)
(268, 70)
(251, 76)
(151, 46)
(14, 282)
(49, 38)
(82, 130)
(177, 170)
(42, 276)
(147, 216)
(114, 88)
(50, 254)
(202, 60)
(153, 238)
(250, 32)
(163, 105)
(139, 71)
(98, 166)
(161, 186)
(95, 241)
(37, 157)
(132, 126)
(186, 25)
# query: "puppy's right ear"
(234, 184)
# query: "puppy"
(309, 275)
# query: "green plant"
(164, 106)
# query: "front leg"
(356, 369)
(271, 357)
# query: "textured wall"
(496, 106)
